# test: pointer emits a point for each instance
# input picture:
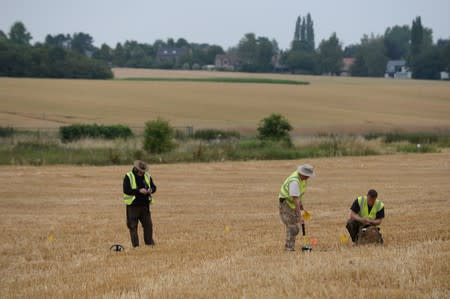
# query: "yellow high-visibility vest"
(284, 191)
(128, 199)
(364, 208)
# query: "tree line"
(18, 58)
(412, 44)
(65, 55)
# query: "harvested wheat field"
(328, 104)
(218, 232)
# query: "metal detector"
(117, 248)
(306, 246)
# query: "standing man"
(138, 187)
(366, 211)
(291, 203)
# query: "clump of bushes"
(275, 128)
(158, 136)
(6, 131)
(214, 134)
(76, 132)
(413, 138)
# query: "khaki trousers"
(290, 220)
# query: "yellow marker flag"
(343, 239)
(306, 215)
(227, 229)
(51, 238)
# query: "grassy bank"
(37, 148)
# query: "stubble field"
(328, 104)
(218, 232)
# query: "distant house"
(397, 69)
(226, 62)
(171, 55)
(346, 66)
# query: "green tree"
(416, 37)
(18, 34)
(14, 59)
(301, 57)
(158, 136)
(304, 34)
(137, 55)
(105, 53)
(422, 52)
(119, 57)
(303, 31)
(301, 61)
(59, 40)
(170, 43)
(428, 64)
(330, 55)
(247, 50)
(298, 45)
(82, 43)
(359, 67)
(203, 54)
(444, 47)
(371, 58)
(298, 25)
(159, 43)
(396, 41)
(264, 54)
(275, 128)
(351, 50)
(199, 54)
(3, 36)
(255, 53)
(275, 47)
(182, 43)
(310, 33)
(185, 61)
(421, 37)
(56, 53)
(17, 60)
(427, 41)
(212, 52)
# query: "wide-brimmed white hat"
(306, 170)
(140, 165)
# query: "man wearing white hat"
(138, 188)
(291, 194)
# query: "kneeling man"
(366, 214)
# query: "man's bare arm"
(375, 222)
(364, 220)
(358, 218)
(298, 208)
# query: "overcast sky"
(219, 22)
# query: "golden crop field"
(328, 104)
(218, 232)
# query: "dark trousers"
(353, 227)
(142, 214)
